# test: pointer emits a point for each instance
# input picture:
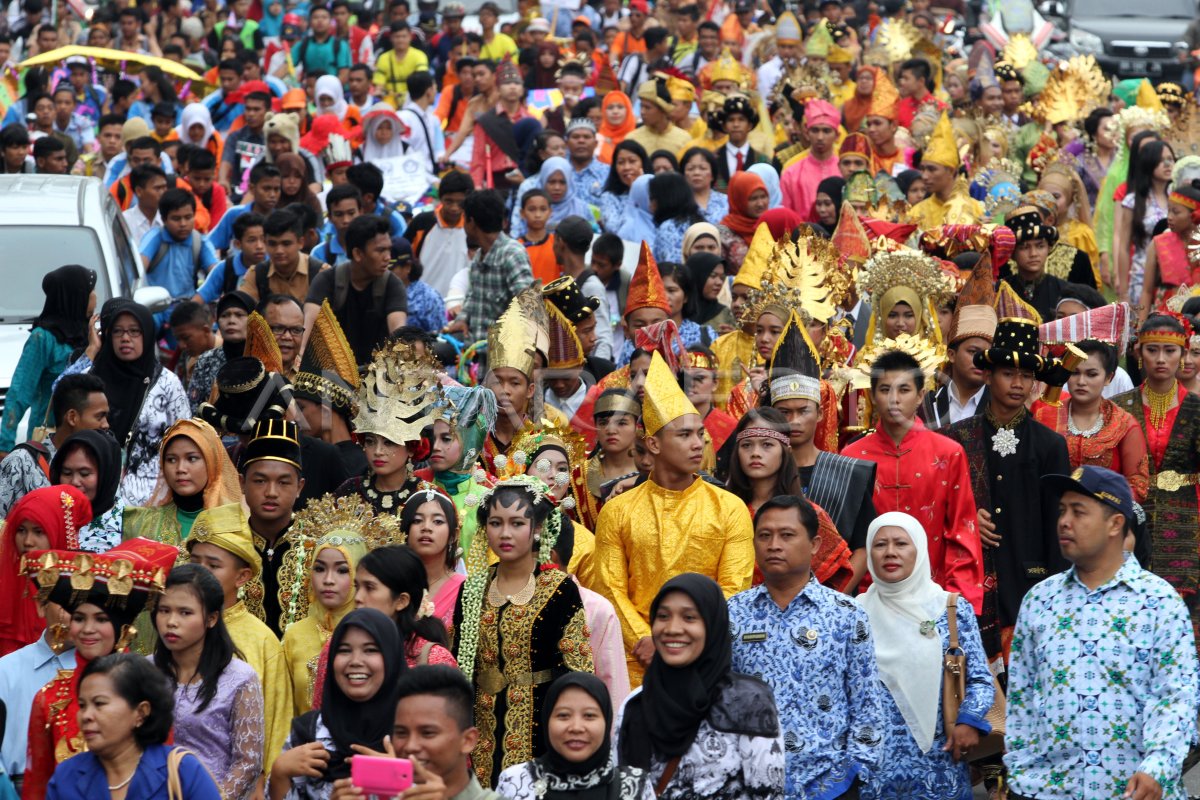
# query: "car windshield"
(42, 249)
(1182, 9)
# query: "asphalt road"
(1191, 781)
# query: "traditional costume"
(1006, 462)
(1172, 504)
(960, 208)
(700, 529)
(884, 103)
(974, 318)
(1044, 291)
(274, 440)
(328, 376)
(735, 350)
(926, 476)
(398, 398)
(350, 526)
(512, 648)
(226, 527)
(120, 581)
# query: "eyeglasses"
(132, 333)
(280, 330)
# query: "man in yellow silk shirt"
(674, 522)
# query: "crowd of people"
(878, 476)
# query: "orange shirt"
(626, 43)
(541, 259)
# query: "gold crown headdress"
(402, 393)
(1138, 117)
(330, 521)
(907, 268)
(1184, 134)
(796, 281)
(1073, 90)
(532, 438)
(929, 355)
(1020, 51)
(328, 368)
(726, 68)
(520, 333)
(1002, 181)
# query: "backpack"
(229, 280)
(40, 455)
(304, 51)
(163, 247)
(262, 283)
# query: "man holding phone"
(435, 730)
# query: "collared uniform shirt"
(22, 674)
(139, 224)
(731, 154)
(496, 278)
(589, 182)
(1102, 684)
(819, 658)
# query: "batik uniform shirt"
(818, 657)
(589, 182)
(1102, 684)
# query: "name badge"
(754, 636)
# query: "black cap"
(564, 293)
(246, 393)
(1098, 483)
(274, 440)
(576, 233)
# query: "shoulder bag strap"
(423, 659)
(668, 773)
(952, 618)
(153, 379)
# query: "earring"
(58, 638)
(127, 634)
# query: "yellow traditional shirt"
(1081, 236)
(302, 645)
(261, 650)
(674, 140)
(732, 350)
(649, 534)
(933, 212)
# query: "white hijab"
(910, 663)
(329, 86)
(195, 114)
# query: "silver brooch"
(1005, 442)
(928, 629)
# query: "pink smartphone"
(384, 777)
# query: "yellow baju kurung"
(1081, 236)
(649, 535)
(733, 351)
(261, 650)
(673, 139)
(302, 646)
(933, 212)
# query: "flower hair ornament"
(478, 573)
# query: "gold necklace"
(521, 598)
(1160, 403)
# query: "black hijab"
(125, 382)
(663, 719)
(235, 299)
(584, 779)
(106, 453)
(699, 267)
(65, 312)
(366, 723)
(835, 188)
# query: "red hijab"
(854, 110)
(60, 511)
(738, 220)
(781, 221)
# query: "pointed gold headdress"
(664, 399)
(942, 148)
(1074, 89)
(327, 368)
(261, 343)
(520, 333)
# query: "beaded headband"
(1163, 337)
(795, 387)
(1184, 200)
(764, 433)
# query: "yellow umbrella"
(114, 61)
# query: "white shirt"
(768, 75)
(960, 411)
(138, 224)
(425, 137)
(592, 287)
(731, 154)
(1120, 384)
(568, 405)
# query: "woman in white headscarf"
(638, 225)
(908, 614)
(382, 133)
(770, 177)
(196, 127)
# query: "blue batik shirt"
(1102, 684)
(818, 657)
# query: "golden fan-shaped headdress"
(929, 355)
(401, 393)
(1020, 51)
(796, 280)
(1073, 90)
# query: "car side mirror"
(155, 298)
